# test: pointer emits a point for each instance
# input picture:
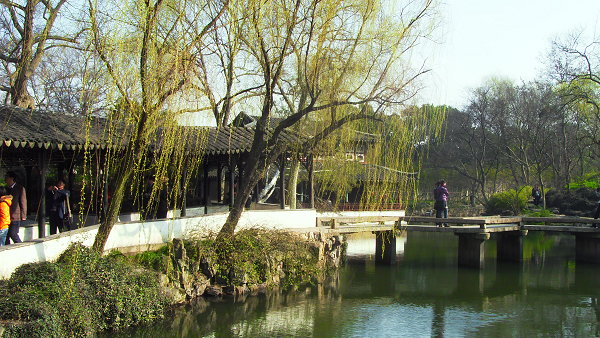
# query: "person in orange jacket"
(5, 202)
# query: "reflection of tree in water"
(275, 313)
(535, 245)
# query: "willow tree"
(147, 48)
(333, 63)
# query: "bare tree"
(28, 32)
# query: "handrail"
(483, 221)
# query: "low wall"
(140, 236)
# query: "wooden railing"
(483, 222)
(335, 221)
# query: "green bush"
(587, 181)
(257, 256)
(511, 200)
(78, 295)
(541, 213)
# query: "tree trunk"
(293, 183)
(18, 91)
(113, 208)
(133, 155)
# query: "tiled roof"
(20, 128)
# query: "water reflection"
(424, 295)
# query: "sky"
(499, 38)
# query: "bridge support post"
(470, 249)
(587, 247)
(510, 245)
(385, 247)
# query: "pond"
(425, 294)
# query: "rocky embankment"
(191, 278)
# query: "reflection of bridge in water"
(498, 290)
(472, 233)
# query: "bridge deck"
(457, 224)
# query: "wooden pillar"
(385, 247)
(219, 183)
(510, 245)
(587, 247)
(43, 168)
(183, 189)
(470, 249)
(206, 194)
(282, 182)
(311, 181)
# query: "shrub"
(580, 202)
(78, 295)
(511, 200)
(541, 213)
(589, 181)
(258, 256)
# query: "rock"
(241, 290)
(179, 249)
(175, 294)
(239, 277)
(229, 290)
(193, 267)
(337, 239)
(206, 267)
(201, 282)
(214, 291)
(258, 288)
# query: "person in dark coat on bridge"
(440, 194)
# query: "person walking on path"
(5, 202)
(537, 195)
(59, 197)
(18, 208)
(440, 194)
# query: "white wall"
(142, 235)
